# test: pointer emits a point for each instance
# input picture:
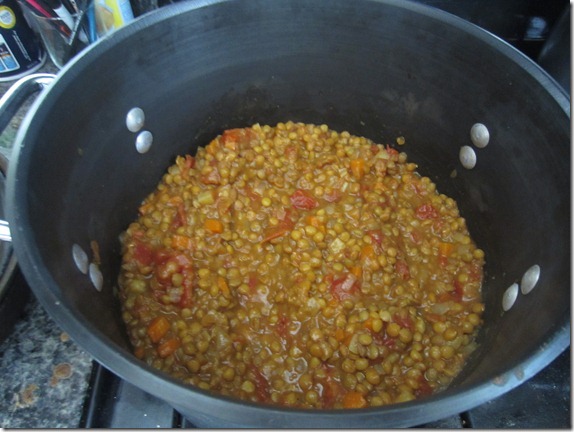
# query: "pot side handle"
(19, 93)
(10, 102)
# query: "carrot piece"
(354, 399)
(214, 225)
(168, 347)
(445, 249)
(275, 234)
(340, 335)
(315, 222)
(358, 168)
(223, 287)
(158, 328)
(181, 242)
(357, 271)
(368, 252)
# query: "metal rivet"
(135, 119)
(96, 276)
(80, 258)
(144, 141)
(510, 296)
(467, 157)
(479, 135)
(530, 279)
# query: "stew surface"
(299, 266)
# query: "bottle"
(21, 53)
(111, 15)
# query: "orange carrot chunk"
(214, 225)
(354, 399)
(158, 328)
(168, 347)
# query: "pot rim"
(125, 365)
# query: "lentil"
(299, 266)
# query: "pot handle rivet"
(144, 141)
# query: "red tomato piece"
(261, 385)
(345, 286)
(426, 211)
(143, 253)
(402, 269)
(303, 200)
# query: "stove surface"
(541, 402)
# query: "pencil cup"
(63, 38)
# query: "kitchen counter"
(44, 374)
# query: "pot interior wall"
(374, 69)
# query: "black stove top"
(541, 402)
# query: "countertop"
(44, 374)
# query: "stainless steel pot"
(379, 69)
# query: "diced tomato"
(391, 151)
(253, 281)
(376, 236)
(291, 152)
(282, 326)
(180, 217)
(433, 317)
(345, 286)
(424, 387)
(415, 236)
(143, 253)
(186, 296)
(332, 391)
(458, 291)
(303, 200)
(212, 177)
(382, 338)
(402, 268)
(185, 163)
(405, 322)
(426, 211)
(261, 385)
(234, 138)
(333, 196)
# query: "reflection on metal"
(135, 119)
(467, 157)
(479, 135)
(530, 279)
(80, 258)
(509, 297)
(144, 141)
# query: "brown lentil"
(299, 266)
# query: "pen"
(63, 13)
(39, 9)
(93, 34)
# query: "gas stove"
(541, 402)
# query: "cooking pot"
(379, 69)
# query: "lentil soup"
(299, 266)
